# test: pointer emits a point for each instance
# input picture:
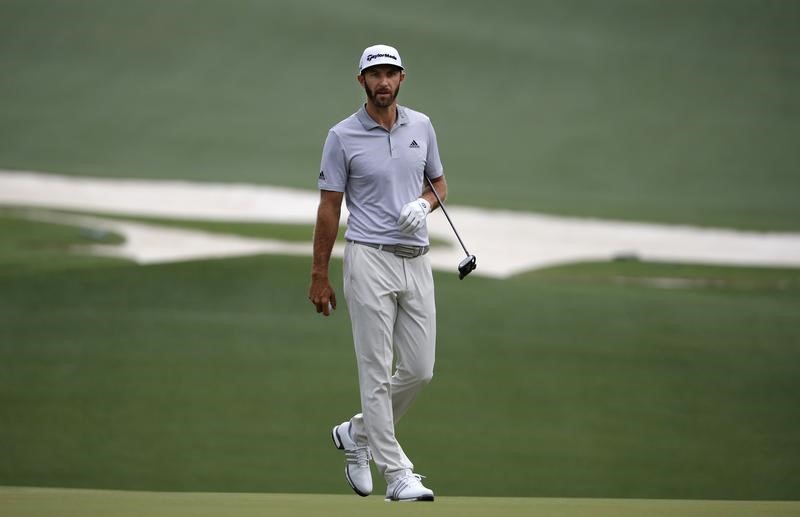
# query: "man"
(376, 158)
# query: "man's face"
(382, 84)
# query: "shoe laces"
(358, 456)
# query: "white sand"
(505, 242)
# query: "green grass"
(580, 381)
(680, 112)
(33, 246)
(28, 502)
(218, 376)
(673, 276)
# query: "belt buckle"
(406, 250)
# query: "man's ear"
(360, 78)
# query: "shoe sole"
(337, 441)
(428, 498)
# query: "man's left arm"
(440, 184)
(433, 170)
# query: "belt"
(400, 250)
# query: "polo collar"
(369, 123)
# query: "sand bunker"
(505, 242)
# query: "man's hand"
(321, 294)
(412, 216)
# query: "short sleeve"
(333, 167)
(433, 163)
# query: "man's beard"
(384, 101)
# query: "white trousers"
(393, 314)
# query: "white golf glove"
(412, 216)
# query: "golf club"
(467, 265)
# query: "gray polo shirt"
(380, 171)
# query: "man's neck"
(386, 117)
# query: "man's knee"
(423, 376)
(413, 376)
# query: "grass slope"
(218, 376)
(30, 502)
(682, 112)
(34, 246)
(259, 230)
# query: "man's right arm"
(320, 292)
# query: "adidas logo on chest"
(414, 144)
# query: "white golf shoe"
(356, 467)
(408, 488)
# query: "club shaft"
(444, 210)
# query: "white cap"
(379, 55)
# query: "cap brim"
(382, 62)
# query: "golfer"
(375, 159)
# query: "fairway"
(45, 502)
(640, 378)
(216, 376)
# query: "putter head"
(466, 266)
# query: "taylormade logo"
(376, 56)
